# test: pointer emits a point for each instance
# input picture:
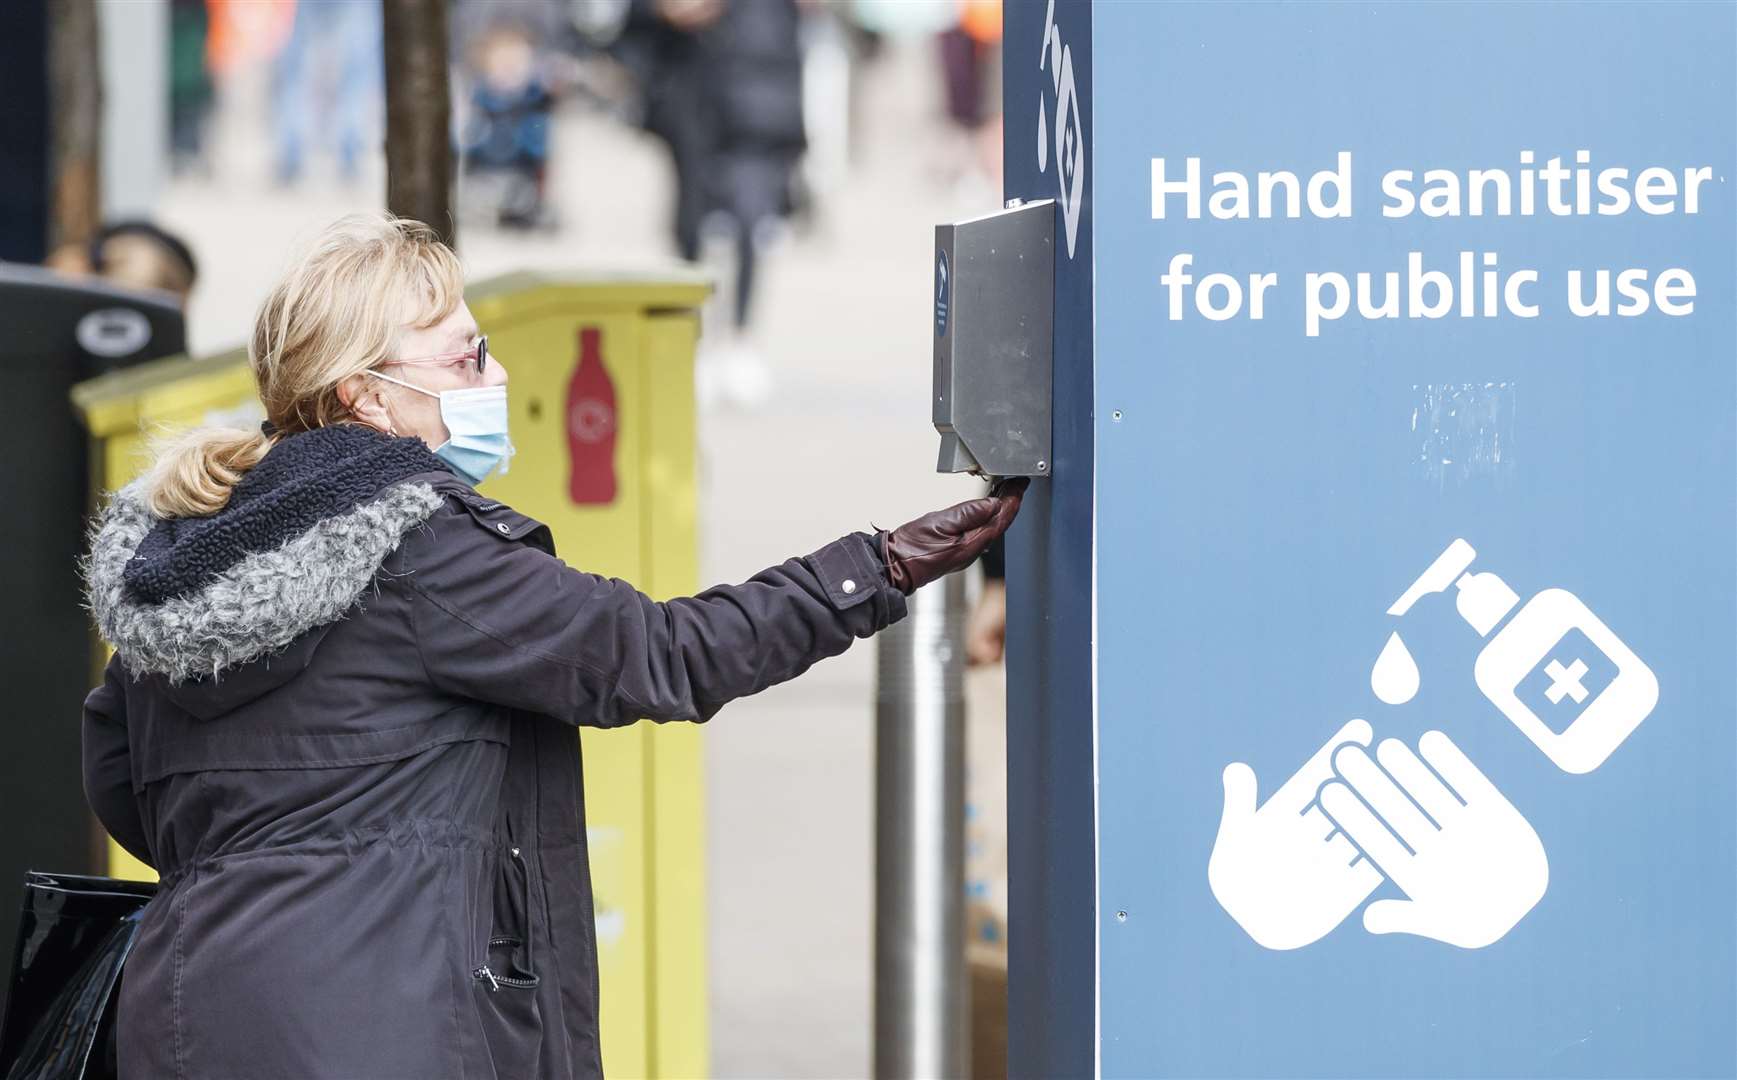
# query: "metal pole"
(921, 1026)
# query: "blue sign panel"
(1052, 959)
(1416, 538)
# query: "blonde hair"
(336, 313)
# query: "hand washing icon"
(1430, 821)
(1470, 865)
(1284, 872)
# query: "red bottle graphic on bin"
(591, 424)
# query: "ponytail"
(194, 475)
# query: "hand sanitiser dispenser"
(994, 325)
(1556, 671)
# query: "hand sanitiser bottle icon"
(1536, 669)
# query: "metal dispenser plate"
(994, 325)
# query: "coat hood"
(297, 545)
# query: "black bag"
(73, 936)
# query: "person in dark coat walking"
(722, 87)
(339, 721)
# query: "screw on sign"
(591, 425)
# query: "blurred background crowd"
(799, 152)
(722, 132)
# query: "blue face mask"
(476, 420)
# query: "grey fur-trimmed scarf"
(255, 599)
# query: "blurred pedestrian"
(245, 33)
(986, 626)
(328, 85)
(190, 87)
(505, 141)
(971, 72)
(722, 83)
(134, 253)
(339, 718)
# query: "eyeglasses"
(477, 354)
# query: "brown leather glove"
(937, 544)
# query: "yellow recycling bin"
(603, 419)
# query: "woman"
(339, 717)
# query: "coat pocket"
(504, 982)
(509, 956)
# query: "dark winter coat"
(738, 80)
(339, 723)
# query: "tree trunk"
(419, 163)
(75, 104)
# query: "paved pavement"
(844, 441)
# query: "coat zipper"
(486, 974)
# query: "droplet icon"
(1042, 136)
(1395, 676)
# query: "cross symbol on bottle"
(1565, 681)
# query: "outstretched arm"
(499, 620)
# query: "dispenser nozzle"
(955, 457)
(1446, 569)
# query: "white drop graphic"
(1394, 678)
(1042, 136)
